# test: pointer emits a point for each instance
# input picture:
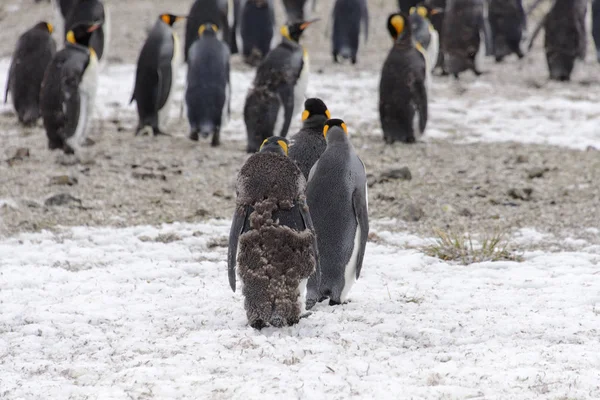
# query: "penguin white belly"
(481, 53)
(280, 120)
(106, 30)
(301, 85)
(87, 95)
(59, 24)
(434, 48)
(350, 270)
(225, 113)
(163, 113)
(302, 295)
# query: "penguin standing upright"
(272, 239)
(209, 12)
(297, 10)
(437, 20)
(156, 75)
(464, 28)
(279, 87)
(596, 26)
(337, 198)
(91, 10)
(309, 143)
(257, 21)
(425, 34)
(507, 22)
(348, 15)
(565, 37)
(68, 91)
(402, 88)
(208, 92)
(34, 51)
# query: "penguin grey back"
(507, 22)
(256, 29)
(463, 24)
(207, 12)
(88, 11)
(33, 52)
(207, 92)
(348, 15)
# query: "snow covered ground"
(146, 312)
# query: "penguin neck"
(290, 43)
(339, 137)
(404, 40)
(315, 121)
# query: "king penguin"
(68, 91)
(309, 143)
(91, 10)
(279, 88)
(402, 88)
(208, 92)
(272, 243)
(34, 51)
(337, 198)
(348, 16)
(156, 75)
(215, 12)
(507, 22)
(257, 22)
(425, 34)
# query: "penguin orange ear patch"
(325, 130)
(398, 23)
(71, 37)
(344, 127)
(305, 115)
(50, 27)
(284, 146)
(327, 114)
(285, 32)
(166, 19)
(422, 11)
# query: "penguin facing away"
(156, 75)
(403, 106)
(337, 199)
(507, 22)
(209, 12)
(272, 244)
(208, 92)
(90, 10)
(279, 88)
(309, 143)
(348, 15)
(33, 52)
(257, 21)
(69, 89)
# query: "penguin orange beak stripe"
(180, 18)
(94, 27)
(307, 23)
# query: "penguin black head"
(398, 24)
(275, 144)
(334, 125)
(424, 10)
(45, 26)
(315, 107)
(294, 30)
(207, 28)
(170, 19)
(81, 33)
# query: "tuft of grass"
(452, 246)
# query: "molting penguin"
(402, 89)
(464, 27)
(34, 51)
(90, 10)
(337, 198)
(69, 89)
(156, 75)
(565, 38)
(596, 26)
(297, 10)
(208, 92)
(507, 22)
(425, 34)
(272, 238)
(347, 18)
(309, 143)
(257, 22)
(209, 12)
(279, 88)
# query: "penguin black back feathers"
(402, 88)
(156, 74)
(208, 91)
(348, 15)
(507, 22)
(208, 12)
(256, 29)
(272, 244)
(337, 198)
(34, 51)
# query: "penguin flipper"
(8, 81)
(165, 77)
(286, 96)
(420, 96)
(359, 202)
(240, 216)
(364, 12)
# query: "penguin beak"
(180, 17)
(307, 23)
(94, 27)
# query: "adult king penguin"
(272, 243)
(210, 12)
(34, 51)
(309, 143)
(90, 10)
(425, 34)
(348, 15)
(69, 89)
(208, 92)
(156, 75)
(402, 88)
(507, 22)
(257, 21)
(337, 199)
(279, 88)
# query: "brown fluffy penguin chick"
(272, 243)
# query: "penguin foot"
(88, 142)
(277, 321)
(310, 303)
(334, 302)
(258, 324)
(158, 132)
(305, 315)
(194, 136)
(215, 141)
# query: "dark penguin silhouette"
(33, 52)
(279, 87)
(406, 5)
(257, 22)
(208, 92)
(337, 198)
(565, 37)
(402, 88)
(348, 15)
(296, 10)
(507, 23)
(209, 12)
(596, 26)
(90, 10)
(464, 28)
(68, 91)
(309, 143)
(156, 74)
(272, 244)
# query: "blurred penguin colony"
(300, 225)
